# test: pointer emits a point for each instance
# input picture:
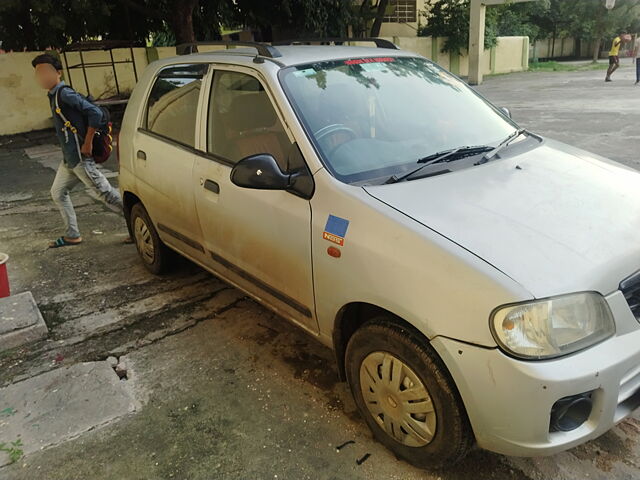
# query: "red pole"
(4, 277)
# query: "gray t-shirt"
(636, 47)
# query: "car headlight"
(552, 327)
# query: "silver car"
(477, 282)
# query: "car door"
(164, 155)
(258, 239)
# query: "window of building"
(405, 11)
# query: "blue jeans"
(87, 173)
(637, 70)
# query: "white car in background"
(477, 282)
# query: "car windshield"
(374, 117)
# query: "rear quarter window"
(173, 103)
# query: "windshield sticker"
(335, 230)
(360, 61)
(304, 73)
(372, 67)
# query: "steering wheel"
(332, 130)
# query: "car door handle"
(141, 155)
(212, 186)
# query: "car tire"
(419, 416)
(155, 255)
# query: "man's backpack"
(102, 140)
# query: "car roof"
(293, 54)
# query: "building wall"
(563, 47)
(23, 103)
(511, 54)
(25, 107)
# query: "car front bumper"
(509, 401)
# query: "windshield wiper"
(440, 157)
(489, 155)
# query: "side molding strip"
(181, 237)
(270, 290)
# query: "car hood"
(555, 219)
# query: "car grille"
(630, 288)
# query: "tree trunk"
(364, 18)
(29, 37)
(127, 18)
(596, 49)
(377, 23)
(182, 21)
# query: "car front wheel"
(406, 396)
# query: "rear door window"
(173, 103)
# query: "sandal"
(63, 242)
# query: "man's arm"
(87, 146)
(93, 114)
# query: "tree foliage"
(39, 24)
(583, 19)
(586, 19)
(521, 19)
(284, 19)
(450, 19)
(367, 15)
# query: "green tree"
(519, 19)
(368, 15)
(584, 20)
(590, 20)
(39, 24)
(450, 19)
(184, 20)
(285, 19)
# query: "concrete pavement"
(20, 321)
(577, 108)
(61, 404)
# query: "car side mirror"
(261, 172)
(506, 111)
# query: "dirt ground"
(228, 390)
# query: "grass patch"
(13, 450)
(553, 66)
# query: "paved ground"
(222, 388)
(578, 108)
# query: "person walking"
(636, 58)
(614, 59)
(76, 121)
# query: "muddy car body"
(477, 282)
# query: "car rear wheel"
(406, 396)
(155, 255)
